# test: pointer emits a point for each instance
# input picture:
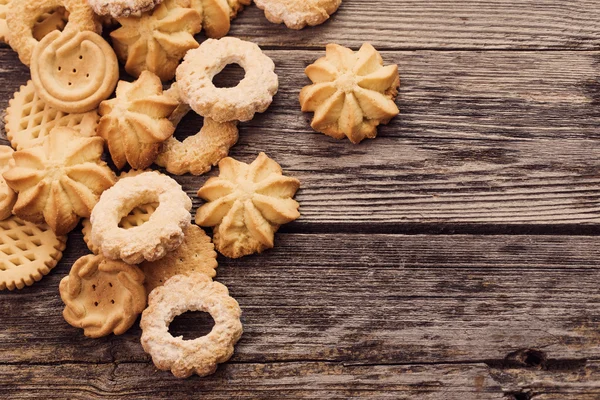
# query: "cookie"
(27, 252)
(153, 240)
(3, 26)
(122, 8)
(29, 119)
(158, 40)
(246, 204)
(352, 93)
(198, 153)
(8, 197)
(50, 21)
(253, 94)
(200, 356)
(135, 123)
(298, 14)
(24, 14)
(182, 108)
(215, 15)
(74, 71)
(59, 181)
(195, 255)
(102, 296)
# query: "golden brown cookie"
(200, 356)
(253, 94)
(135, 123)
(102, 296)
(24, 14)
(158, 40)
(8, 197)
(59, 181)
(246, 204)
(3, 27)
(298, 14)
(352, 92)
(215, 15)
(27, 252)
(195, 255)
(182, 108)
(153, 240)
(198, 153)
(50, 21)
(74, 71)
(29, 119)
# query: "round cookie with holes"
(102, 296)
(27, 252)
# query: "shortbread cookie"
(59, 181)
(200, 356)
(246, 204)
(195, 255)
(215, 15)
(23, 15)
(157, 41)
(236, 6)
(28, 252)
(74, 72)
(3, 26)
(8, 197)
(153, 240)
(102, 296)
(122, 8)
(29, 119)
(182, 108)
(135, 123)
(352, 92)
(297, 14)
(198, 153)
(253, 94)
(49, 22)
(136, 217)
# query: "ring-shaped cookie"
(196, 292)
(253, 94)
(74, 71)
(151, 241)
(23, 14)
(122, 8)
(198, 153)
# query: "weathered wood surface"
(347, 305)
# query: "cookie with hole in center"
(102, 296)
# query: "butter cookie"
(298, 14)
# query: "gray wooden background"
(454, 257)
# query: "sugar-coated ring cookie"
(74, 71)
(196, 292)
(151, 241)
(23, 14)
(298, 14)
(122, 8)
(253, 94)
(198, 153)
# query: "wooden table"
(454, 257)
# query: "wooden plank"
(299, 380)
(439, 24)
(394, 299)
(485, 139)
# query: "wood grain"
(440, 24)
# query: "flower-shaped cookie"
(135, 123)
(102, 296)
(246, 204)
(7, 195)
(60, 180)
(297, 14)
(158, 40)
(215, 16)
(351, 93)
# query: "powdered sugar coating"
(298, 14)
(122, 8)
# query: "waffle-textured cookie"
(352, 93)
(246, 204)
(27, 252)
(29, 119)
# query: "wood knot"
(529, 358)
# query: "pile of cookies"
(146, 255)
